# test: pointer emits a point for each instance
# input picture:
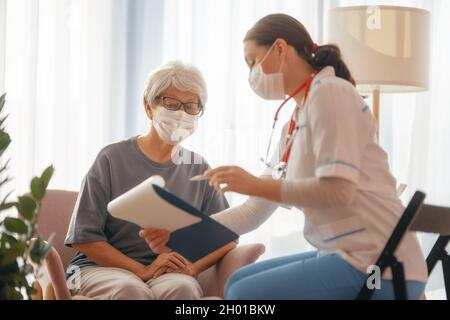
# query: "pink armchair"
(54, 217)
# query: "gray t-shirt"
(118, 168)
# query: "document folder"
(194, 234)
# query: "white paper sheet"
(144, 207)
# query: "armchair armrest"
(51, 277)
(213, 280)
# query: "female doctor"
(327, 164)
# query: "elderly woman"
(113, 261)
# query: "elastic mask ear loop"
(281, 66)
(266, 55)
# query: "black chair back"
(433, 219)
(387, 257)
(436, 219)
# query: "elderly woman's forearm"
(105, 255)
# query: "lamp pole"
(376, 109)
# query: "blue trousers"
(307, 276)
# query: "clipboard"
(194, 234)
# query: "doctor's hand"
(234, 178)
(156, 239)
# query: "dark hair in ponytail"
(274, 26)
(330, 55)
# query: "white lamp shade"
(385, 47)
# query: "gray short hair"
(182, 76)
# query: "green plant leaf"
(5, 244)
(10, 269)
(30, 290)
(7, 196)
(5, 166)
(37, 189)
(4, 180)
(7, 205)
(46, 176)
(39, 185)
(48, 246)
(11, 293)
(36, 250)
(5, 140)
(2, 121)
(40, 249)
(26, 207)
(15, 225)
(28, 268)
(6, 238)
(16, 250)
(10, 273)
(2, 101)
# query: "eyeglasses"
(173, 104)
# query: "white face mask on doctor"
(267, 86)
(173, 126)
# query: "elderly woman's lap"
(118, 284)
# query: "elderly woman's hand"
(156, 239)
(235, 178)
(166, 263)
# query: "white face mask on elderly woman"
(267, 86)
(173, 126)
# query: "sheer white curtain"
(58, 64)
(61, 64)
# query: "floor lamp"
(385, 47)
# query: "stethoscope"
(279, 170)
